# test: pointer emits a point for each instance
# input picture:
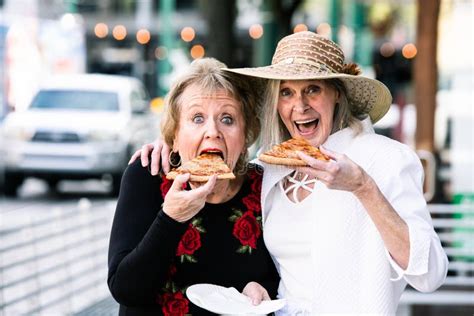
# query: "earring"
(174, 159)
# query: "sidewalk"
(106, 307)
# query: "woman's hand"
(340, 173)
(159, 150)
(256, 293)
(182, 205)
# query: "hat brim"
(362, 92)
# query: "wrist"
(366, 187)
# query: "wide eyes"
(198, 119)
(309, 90)
(225, 119)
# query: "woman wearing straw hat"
(357, 230)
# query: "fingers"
(207, 188)
(165, 154)
(155, 158)
(266, 297)
(145, 151)
(179, 181)
(313, 162)
(331, 154)
(255, 292)
(135, 156)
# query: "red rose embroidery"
(165, 186)
(247, 230)
(174, 304)
(190, 242)
(252, 202)
(256, 186)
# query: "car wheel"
(12, 183)
(52, 184)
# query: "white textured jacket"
(353, 271)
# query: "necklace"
(295, 184)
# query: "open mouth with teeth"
(307, 126)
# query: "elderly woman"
(357, 229)
(168, 235)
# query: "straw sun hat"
(307, 55)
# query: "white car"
(77, 127)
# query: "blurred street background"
(82, 84)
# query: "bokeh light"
(409, 51)
(101, 30)
(161, 53)
(324, 29)
(387, 49)
(143, 36)
(119, 32)
(187, 34)
(300, 28)
(256, 31)
(197, 51)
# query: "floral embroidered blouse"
(153, 258)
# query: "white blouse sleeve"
(401, 183)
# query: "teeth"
(305, 122)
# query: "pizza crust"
(194, 178)
(281, 161)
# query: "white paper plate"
(229, 301)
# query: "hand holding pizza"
(182, 205)
(340, 173)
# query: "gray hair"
(274, 130)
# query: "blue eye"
(228, 120)
(198, 119)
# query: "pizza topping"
(203, 166)
(286, 152)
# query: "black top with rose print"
(153, 258)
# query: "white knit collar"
(340, 140)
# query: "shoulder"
(254, 171)
(383, 149)
(136, 177)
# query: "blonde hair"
(207, 74)
(274, 130)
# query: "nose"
(300, 105)
(212, 129)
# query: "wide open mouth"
(307, 126)
(213, 151)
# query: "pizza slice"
(285, 153)
(202, 168)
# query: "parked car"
(77, 127)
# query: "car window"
(76, 100)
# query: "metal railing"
(54, 263)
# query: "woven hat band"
(309, 46)
(317, 67)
